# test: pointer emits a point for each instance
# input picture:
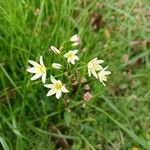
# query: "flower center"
(102, 76)
(70, 55)
(41, 69)
(58, 86)
(94, 66)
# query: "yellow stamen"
(135, 148)
(41, 69)
(58, 86)
(70, 55)
(93, 66)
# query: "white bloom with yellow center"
(55, 50)
(38, 69)
(102, 75)
(93, 66)
(75, 39)
(56, 66)
(56, 88)
(71, 56)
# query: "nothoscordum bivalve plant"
(93, 66)
(56, 88)
(71, 56)
(97, 70)
(38, 69)
(102, 75)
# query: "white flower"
(56, 88)
(102, 75)
(38, 69)
(93, 66)
(75, 40)
(56, 66)
(55, 50)
(71, 56)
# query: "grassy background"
(118, 117)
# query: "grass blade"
(4, 144)
(139, 140)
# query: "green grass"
(118, 116)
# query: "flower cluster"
(57, 88)
(97, 70)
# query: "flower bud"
(55, 50)
(56, 66)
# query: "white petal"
(53, 79)
(76, 57)
(36, 76)
(48, 85)
(64, 90)
(73, 61)
(44, 77)
(66, 55)
(33, 63)
(89, 72)
(100, 78)
(105, 68)
(75, 44)
(103, 83)
(104, 78)
(107, 72)
(74, 38)
(94, 74)
(99, 61)
(58, 94)
(68, 60)
(75, 51)
(98, 67)
(50, 92)
(32, 70)
(94, 59)
(41, 60)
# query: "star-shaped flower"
(93, 66)
(38, 69)
(71, 56)
(102, 75)
(56, 88)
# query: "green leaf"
(4, 144)
(67, 117)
